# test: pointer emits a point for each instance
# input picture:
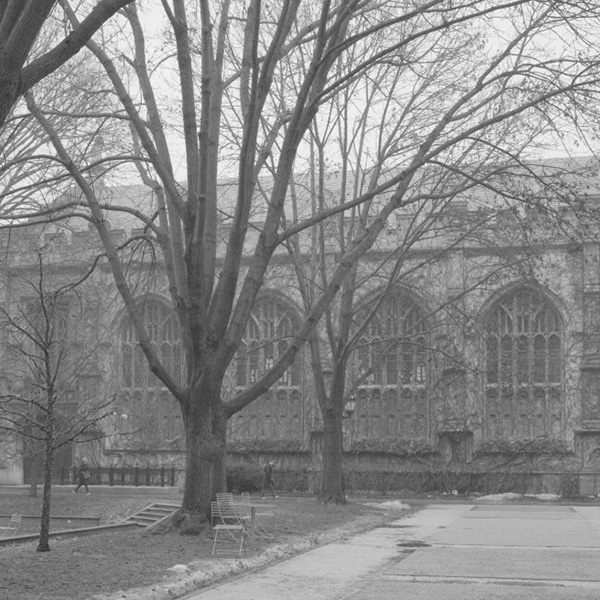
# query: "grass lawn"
(78, 568)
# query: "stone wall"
(444, 427)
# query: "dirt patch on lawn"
(114, 564)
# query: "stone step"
(153, 513)
(158, 513)
(165, 506)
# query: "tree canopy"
(233, 91)
(20, 24)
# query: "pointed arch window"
(392, 367)
(152, 412)
(269, 332)
(394, 349)
(524, 373)
(279, 413)
(165, 337)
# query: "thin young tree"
(47, 405)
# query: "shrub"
(249, 478)
(569, 486)
(392, 445)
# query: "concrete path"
(450, 551)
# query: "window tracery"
(152, 412)
(392, 360)
(524, 347)
(278, 414)
(268, 334)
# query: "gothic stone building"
(479, 372)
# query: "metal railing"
(132, 476)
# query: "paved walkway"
(466, 552)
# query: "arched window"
(392, 367)
(269, 332)
(524, 373)
(153, 415)
(278, 414)
(393, 350)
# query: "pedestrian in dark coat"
(268, 479)
(83, 477)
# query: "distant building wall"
(496, 369)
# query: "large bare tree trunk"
(205, 444)
(220, 432)
(332, 489)
(200, 469)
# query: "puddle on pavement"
(413, 544)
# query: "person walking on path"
(268, 480)
(83, 477)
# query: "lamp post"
(349, 407)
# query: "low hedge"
(249, 478)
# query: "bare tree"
(245, 106)
(25, 156)
(360, 139)
(48, 405)
(20, 25)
